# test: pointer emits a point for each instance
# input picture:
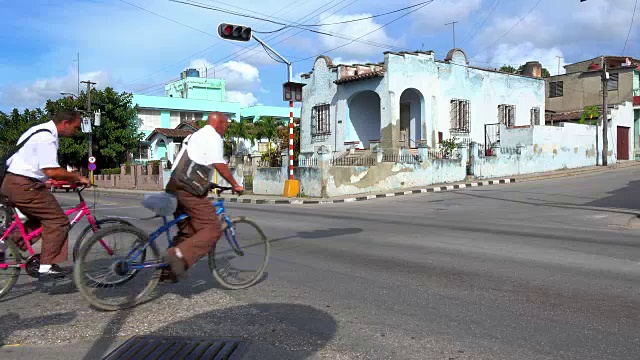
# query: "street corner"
(264, 200)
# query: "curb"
(370, 197)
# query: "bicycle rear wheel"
(248, 245)
(117, 298)
(10, 275)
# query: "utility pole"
(454, 32)
(559, 57)
(605, 112)
(89, 83)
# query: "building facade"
(567, 96)
(410, 100)
(162, 119)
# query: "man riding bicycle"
(24, 186)
(202, 151)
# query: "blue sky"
(133, 50)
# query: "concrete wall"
(137, 179)
(584, 89)
(436, 83)
(270, 181)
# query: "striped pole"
(291, 140)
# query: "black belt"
(26, 177)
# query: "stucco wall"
(270, 181)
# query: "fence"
(347, 161)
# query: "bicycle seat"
(161, 203)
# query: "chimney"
(533, 69)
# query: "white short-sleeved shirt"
(205, 147)
(40, 152)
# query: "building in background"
(166, 120)
(567, 96)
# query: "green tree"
(510, 69)
(590, 112)
(267, 127)
(14, 124)
(113, 140)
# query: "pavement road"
(537, 270)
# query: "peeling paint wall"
(270, 181)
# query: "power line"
(513, 27)
(203, 51)
(164, 17)
(370, 17)
(248, 49)
(371, 32)
(469, 37)
(630, 26)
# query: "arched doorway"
(411, 118)
(162, 149)
(363, 118)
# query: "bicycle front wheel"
(239, 257)
(92, 276)
(11, 258)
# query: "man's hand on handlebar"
(238, 189)
(83, 181)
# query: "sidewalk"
(270, 199)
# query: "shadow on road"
(627, 197)
(277, 331)
(14, 322)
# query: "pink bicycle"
(12, 259)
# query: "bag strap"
(20, 145)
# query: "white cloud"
(355, 30)
(245, 99)
(434, 16)
(340, 61)
(516, 55)
(238, 76)
(37, 93)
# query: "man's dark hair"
(69, 115)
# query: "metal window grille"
(612, 84)
(460, 115)
(535, 116)
(321, 123)
(507, 114)
(555, 89)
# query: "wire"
(164, 17)
(369, 17)
(468, 37)
(514, 26)
(269, 32)
(371, 32)
(200, 5)
(630, 27)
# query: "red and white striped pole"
(291, 140)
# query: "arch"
(363, 118)
(412, 124)
(161, 149)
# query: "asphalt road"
(537, 270)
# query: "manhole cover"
(148, 347)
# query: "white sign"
(86, 125)
(92, 159)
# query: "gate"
(491, 137)
(247, 176)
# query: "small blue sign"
(92, 167)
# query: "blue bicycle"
(135, 259)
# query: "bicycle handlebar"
(219, 189)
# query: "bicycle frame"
(81, 210)
(220, 211)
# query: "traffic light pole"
(291, 125)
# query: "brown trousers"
(200, 231)
(41, 209)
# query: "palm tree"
(241, 130)
(267, 128)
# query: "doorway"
(623, 143)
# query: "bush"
(115, 171)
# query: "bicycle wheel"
(119, 266)
(87, 231)
(100, 223)
(234, 277)
(9, 276)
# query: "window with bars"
(555, 89)
(320, 121)
(535, 116)
(612, 84)
(460, 115)
(507, 114)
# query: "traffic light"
(234, 32)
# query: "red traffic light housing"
(234, 32)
